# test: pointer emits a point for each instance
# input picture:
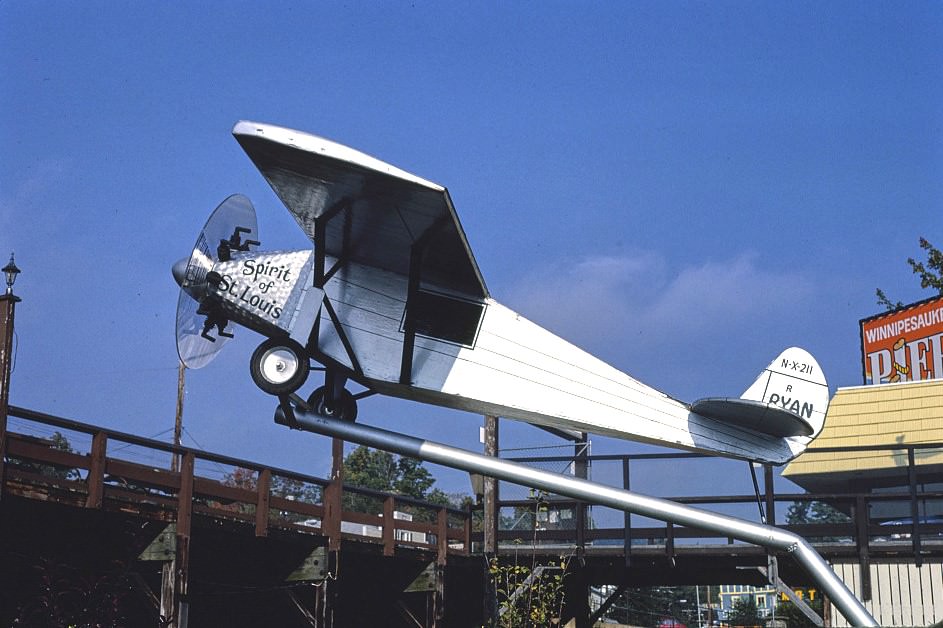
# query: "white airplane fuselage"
(503, 364)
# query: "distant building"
(763, 597)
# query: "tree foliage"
(288, 488)
(528, 595)
(382, 471)
(56, 441)
(930, 273)
(744, 612)
(794, 618)
(814, 512)
(363, 467)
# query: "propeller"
(201, 324)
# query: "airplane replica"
(390, 296)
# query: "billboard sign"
(904, 345)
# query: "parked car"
(905, 526)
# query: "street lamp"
(11, 271)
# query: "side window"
(445, 318)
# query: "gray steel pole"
(662, 509)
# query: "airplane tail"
(789, 399)
(793, 382)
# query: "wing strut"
(409, 323)
(320, 243)
(321, 277)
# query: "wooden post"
(670, 543)
(863, 541)
(331, 527)
(96, 471)
(167, 577)
(182, 559)
(467, 537)
(491, 513)
(333, 493)
(914, 516)
(178, 415)
(442, 538)
(389, 526)
(7, 307)
(576, 596)
(263, 487)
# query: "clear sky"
(681, 188)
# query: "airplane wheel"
(279, 366)
(345, 408)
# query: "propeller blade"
(201, 327)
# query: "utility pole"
(8, 302)
(178, 417)
(168, 576)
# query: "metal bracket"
(314, 567)
(164, 545)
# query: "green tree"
(815, 512)
(288, 488)
(930, 272)
(744, 612)
(383, 471)
(795, 618)
(56, 441)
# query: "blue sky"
(681, 188)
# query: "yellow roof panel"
(885, 414)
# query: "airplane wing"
(357, 208)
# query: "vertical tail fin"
(794, 382)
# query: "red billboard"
(904, 345)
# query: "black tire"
(279, 366)
(346, 409)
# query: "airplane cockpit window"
(446, 318)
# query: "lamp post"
(8, 302)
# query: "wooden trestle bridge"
(173, 534)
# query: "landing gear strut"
(333, 400)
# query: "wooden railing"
(257, 496)
(857, 536)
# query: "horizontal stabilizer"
(754, 415)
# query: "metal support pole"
(770, 494)
(914, 510)
(663, 509)
(627, 516)
(581, 470)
